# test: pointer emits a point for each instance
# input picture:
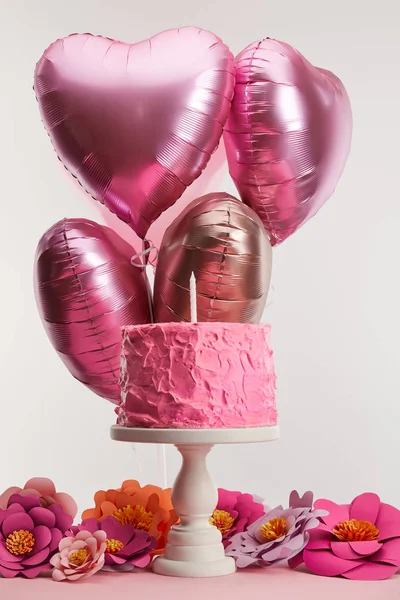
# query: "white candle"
(193, 299)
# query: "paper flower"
(148, 508)
(277, 535)
(234, 513)
(45, 490)
(80, 556)
(360, 540)
(126, 547)
(29, 535)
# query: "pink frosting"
(197, 375)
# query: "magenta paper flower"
(29, 535)
(79, 556)
(235, 512)
(45, 490)
(277, 535)
(126, 547)
(360, 540)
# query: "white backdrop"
(335, 311)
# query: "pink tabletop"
(257, 584)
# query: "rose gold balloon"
(136, 123)
(288, 135)
(224, 243)
(86, 289)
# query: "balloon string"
(145, 252)
(271, 296)
(141, 475)
(162, 461)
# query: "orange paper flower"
(148, 508)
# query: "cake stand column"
(194, 547)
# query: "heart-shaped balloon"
(223, 242)
(288, 135)
(136, 123)
(86, 289)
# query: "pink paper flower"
(45, 490)
(29, 535)
(235, 512)
(277, 535)
(126, 547)
(360, 540)
(79, 556)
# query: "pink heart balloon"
(86, 289)
(288, 135)
(136, 123)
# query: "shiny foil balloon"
(288, 135)
(136, 123)
(224, 243)
(86, 288)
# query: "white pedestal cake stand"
(194, 547)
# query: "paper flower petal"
(42, 537)
(306, 500)
(5, 496)
(365, 548)
(67, 502)
(27, 502)
(389, 552)
(371, 572)
(365, 507)
(56, 537)
(141, 561)
(343, 550)
(5, 555)
(337, 512)
(296, 561)
(37, 558)
(324, 562)
(15, 522)
(319, 539)
(8, 573)
(42, 516)
(43, 485)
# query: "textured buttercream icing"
(197, 375)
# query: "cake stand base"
(194, 546)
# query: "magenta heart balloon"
(288, 135)
(136, 123)
(86, 289)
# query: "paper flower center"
(113, 546)
(222, 520)
(356, 531)
(137, 516)
(273, 529)
(20, 542)
(78, 558)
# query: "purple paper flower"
(29, 535)
(126, 547)
(277, 535)
(234, 513)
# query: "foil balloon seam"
(223, 263)
(256, 183)
(83, 293)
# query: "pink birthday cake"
(197, 375)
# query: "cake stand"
(194, 547)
